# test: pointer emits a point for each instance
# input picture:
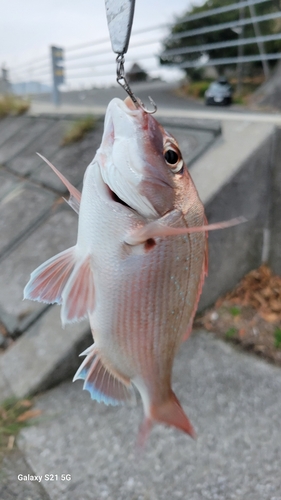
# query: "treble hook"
(123, 82)
(145, 109)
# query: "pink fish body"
(137, 269)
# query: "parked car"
(219, 93)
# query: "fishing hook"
(123, 82)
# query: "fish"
(137, 268)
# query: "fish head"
(141, 162)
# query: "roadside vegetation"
(78, 130)
(13, 105)
(14, 415)
(188, 41)
(187, 22)
(250, 315)
(197, 89)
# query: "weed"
(238, 99)
(234, 311)
(194, 89)
(277, 338)
(198, 89)
(12, 105)
(78, 130)
(14, 415)
(231, 332)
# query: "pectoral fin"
(157, 229)
(102, 381)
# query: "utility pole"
(240, 52)
(259, 44)
(5, 85)
(58, 72)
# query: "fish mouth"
(121, 158)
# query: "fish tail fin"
(144, 432)
(171, 413)
(64, 279)
(103, 383)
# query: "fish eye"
(171, 157)
(173, 160)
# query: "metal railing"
(231, 60)
(91, 62)
(223, 26)
(219, 45)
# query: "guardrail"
(93, 62)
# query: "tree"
(181, 25)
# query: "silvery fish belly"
(137, 268)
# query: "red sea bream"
(137, 268)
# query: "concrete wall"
(235, 251)
(275, 213)
(241, 171)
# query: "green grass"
(78, 130)
(238, 99)
(231, 332)
(277, 338)
(14, 415)
(197, 89)
(234, 311)
(12, 105)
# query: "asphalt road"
(163, 94)
(169, 104)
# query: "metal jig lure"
(120, 14)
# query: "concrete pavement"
(234, 403)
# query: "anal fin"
(103, 383)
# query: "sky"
(29, 27)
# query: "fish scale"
(154, 307)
